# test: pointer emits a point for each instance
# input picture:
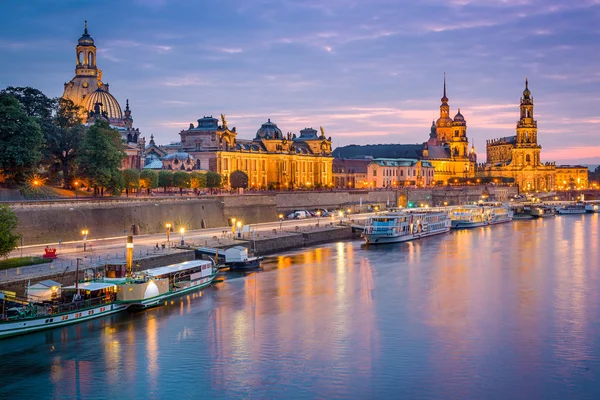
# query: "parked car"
(323, 211)
(300, 214)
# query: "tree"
(100, 157)
(181, 180)
(238, 180)
(148, 180)
(21, 139)
(35, 103)
(197, 180)
(8, 223)
(165, 179)
(64, 137)
(213, 180)
(131, 179)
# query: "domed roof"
(180, 155)
(86, 39)
(459, 117)
(107, 103)
(269, 130)
(526, 92)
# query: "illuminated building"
(390, 172)
(570, 177)
(518, 156)
(87, 91)
(350, 173)
(271, 160)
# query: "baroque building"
(271, 159)
(518, 156)
(448, 146)
(87, 91)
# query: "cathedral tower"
(444, 122)
(527, 149)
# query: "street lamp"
(239, 228)
(182, 231)
(76, 183)
(232, 225)
(85, 233)
(85, 228)
(280, 221)
(168, 227)
(318, 217)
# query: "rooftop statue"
(99, 77)
(223, 121)
(322, 131)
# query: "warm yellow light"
(340, 213)
(239, 224)
(76, 183)
(168, 225)
(280, 216)
(318, 213)
(84, 232)
(349, 211)
(182, 230)
(35, 182)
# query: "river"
(510, 311)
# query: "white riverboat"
(592, 206)
(398, 227)
(543, 212)
(576, 208)
(117, 290)
(475, 216)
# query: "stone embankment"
(53, 222)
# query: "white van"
(300, 214)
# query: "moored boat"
(543, 212)
(398, 227)
(576, 208)
(475, 216)
(522, 212)
(592, 206)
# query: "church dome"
(180, 155)
(269, 130)
(459, 117)
(86, 39)
(108, 104)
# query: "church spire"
(445, 98)
(85, 32)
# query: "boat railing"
(74, 306)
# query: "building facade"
(390, 172)
(271, 160)
(448, 146)
(350, 173)
(519, 156)
(87, 91)
(571, 177)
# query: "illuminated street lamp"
(239, 228)
(318, 217)
(182, 231)
(84, 233)
(280, 221)
(76, 183)
(168, 227)
(232, 225)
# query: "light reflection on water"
(510, 311)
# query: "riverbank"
(259, 243)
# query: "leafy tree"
(100, 157)
(8, 223)
(21, 139)
(165, 179)
(131, 179)
(238, 180)
(148, 180)
(197, 180)
(35, 103)
(64, 137)
(181, 180)
(213, 180)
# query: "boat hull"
(157, 300)
(386, 239)
(29, 325)
(468, 225)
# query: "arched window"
(528, 159)
(90, 59)
(80, 58)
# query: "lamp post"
(182, 231)
(76, 183)
(232, 225)
(168, 227)
(280, 221)
(239, 228)
(318, 217)
(85, 233)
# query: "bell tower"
(527, 149)
(86, 55)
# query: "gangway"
(209, 251)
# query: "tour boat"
(543, 212)
(475, 216)
(113, 292)
(522, 212)
(397, 227)
(577, 208)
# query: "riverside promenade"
(153, 250)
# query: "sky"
(368, 71)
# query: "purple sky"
(367, 71)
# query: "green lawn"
(22, 261)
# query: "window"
(528, 159)
(374, 172)
(80, 58)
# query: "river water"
(504, 312)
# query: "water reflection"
(509, 311)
